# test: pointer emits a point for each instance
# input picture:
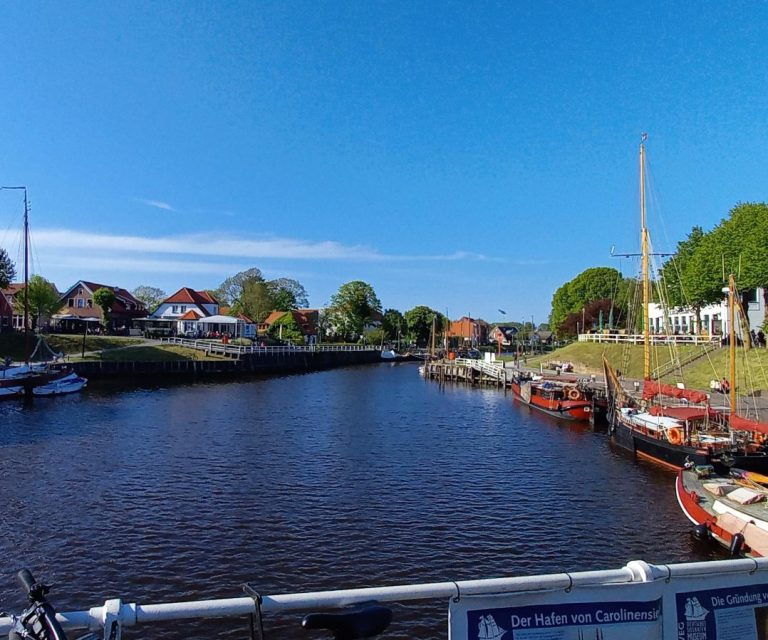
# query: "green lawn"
(113, 348)
(751, 366)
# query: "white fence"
(720, 599)
(233, 350)
(638, 338)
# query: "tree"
(743, 242)
(150, 296)
(286, 328)
(255, 300)
(43, 300)
(288, 294)
(419, 321)
(354, 303)
(590, 285)
(104, 298)
(394, 325)
(685, 284)
(7, 270)
(231, 289)
(589, 316)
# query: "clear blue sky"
(467, 156)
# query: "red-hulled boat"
(559, 399)
(727, 509)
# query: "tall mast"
(732, 340)
(26, 278)
(646, 282)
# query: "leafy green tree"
(353, 304)
(394, 325)
(43, 300)
(150, 296)
(419, 321)
(288, 294)
(256, 300)
(7, 270)
(104, 298)
(684, 282)
(743, 241)
(593, 284)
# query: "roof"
(123, 297)
(219, 319)
(190, 315)
(274, 316)
(187, 295)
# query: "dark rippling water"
(363, 476)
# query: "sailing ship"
(554, 397)
(44, 378)
(673, 426)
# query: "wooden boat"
(676, 426)
(553, 397)
(727, 509)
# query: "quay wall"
(281, 362)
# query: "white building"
(714, 318)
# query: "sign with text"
(589, 613)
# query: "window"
(183, 308)
(80, 303)
(175, 309)
(89, 303)
(71, 302)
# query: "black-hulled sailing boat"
(682, 429)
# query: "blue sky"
(467, 156)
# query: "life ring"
(674, 435)
(573, 393)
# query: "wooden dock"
(469, 371)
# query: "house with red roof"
(182, 312)
(307, 321)
(79, 311)
(17, 319)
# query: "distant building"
(307, 320)
(467, 332)
(181, 312)
(714, 317)
(504, 335)
(79, 311)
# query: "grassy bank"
(751, 367)
(107, 348)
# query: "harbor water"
(362, 476)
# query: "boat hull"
(657, 450)
(724, 520)
(578, 410)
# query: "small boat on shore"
(67, 382)
(727, 509)
(553, 397)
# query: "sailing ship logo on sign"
(487, 629)
(694, 610)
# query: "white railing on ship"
(656, 338)
(214, 347)
(635, 572)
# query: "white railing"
(635, 575)
(638, 338)
(491, 369)
(219, 348)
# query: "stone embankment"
(265, 361)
